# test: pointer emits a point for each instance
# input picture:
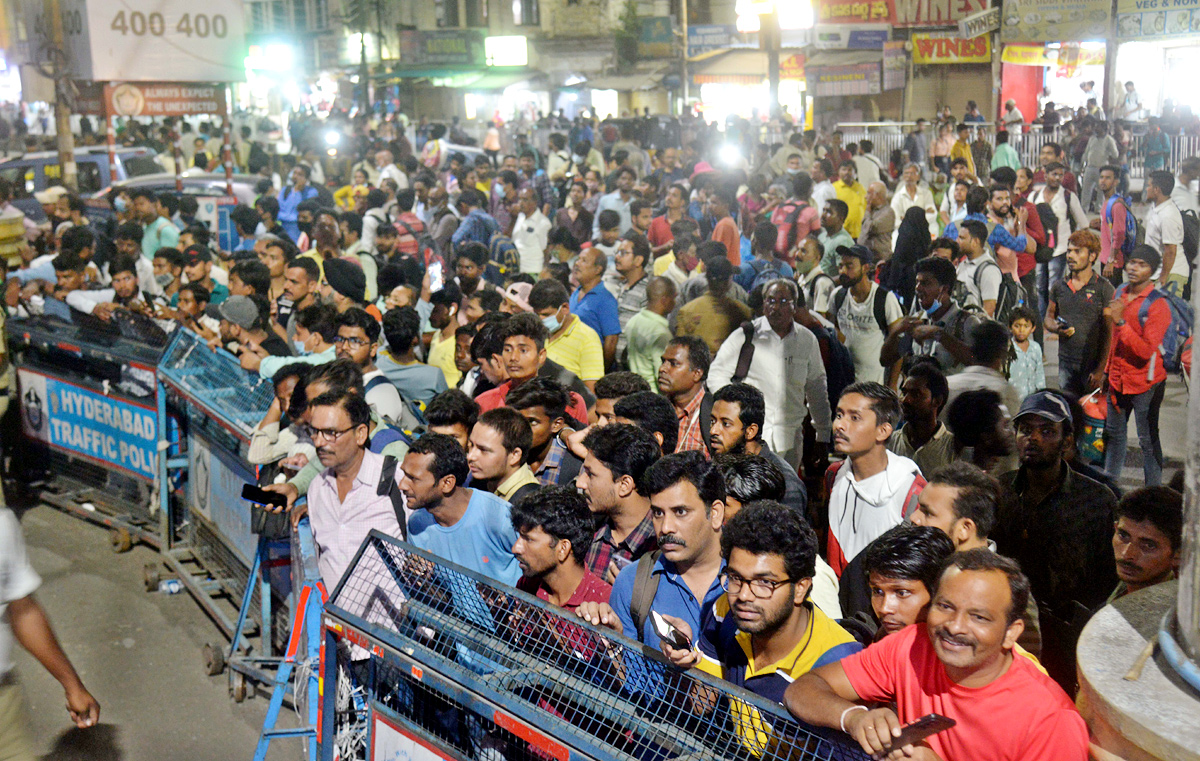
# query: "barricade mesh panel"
(216, 381)
(219, 560)
(588, 687)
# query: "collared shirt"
(339, 526)
(18, 579)
(529, 236)
(631, 299)
(931, 455)
(416, 381)
(1135, 363)
(788, 371)
(1027, 372)
(877, 231)
(547, 472)
(647, 336)
(957, 323)
(978, 377)
(1083, 310)
(1065, 206)
(635, 544)
(691, 435)
(1164, 226)
(598, 309)
(520, 477)
(821, 193)
(855, 197)
(578, 349)
(922, 198)
(673, 598)
(613, 201)
(496, 397)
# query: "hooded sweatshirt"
(859, 511)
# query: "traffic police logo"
(33, 410)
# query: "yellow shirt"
(441, 355)
(702, 317)
(578, 349)
(855, 197)
(662, 262)
(522, 476)
(962, 151)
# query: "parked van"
(34, 172)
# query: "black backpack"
(879, 307)
(1191, 234)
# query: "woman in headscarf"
(912, 244)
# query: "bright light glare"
(333, 137)
(730, 154)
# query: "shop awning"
(500, 79)
(423, 72)
(642, 80)
(844, 57)
(746, 67)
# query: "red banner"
(164, 99)
(898, 12)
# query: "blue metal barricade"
(424, 657)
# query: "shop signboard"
(851, 79)
(163, 99)
(792, 67)
(705, 38)
(1040, 55)
(1055, 20)
(906, 13)
(657, 39)
(441, 48)
(927, 49)
(146, 40)
(851, 36)
(105, 430)
(980, 23)
(895, 66)
(1157, 19)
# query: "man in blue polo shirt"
(592, 303)
(687, 505)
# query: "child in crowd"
(1026, 370)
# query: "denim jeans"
(1047, 275)
(1145, 406)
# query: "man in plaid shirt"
(681, 379)
(536, 178)
(617, 455)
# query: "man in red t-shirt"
(959, 664)
(720, 205)
(524, 353)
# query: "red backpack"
(785, 217)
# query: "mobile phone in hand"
(261, 496)
(437, 281)
(669, 633)
(930, 724)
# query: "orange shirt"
(726, 232)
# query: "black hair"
(199, 232)
(1003, 175)
(750, 402)
(527, 325)
(691, 466)
(989, 342)
(357, 317)
(546, 393)
(983, 559)
(978, 494)
(449, 459)
(341, 373)
(352, 402)
(561, 512)
(751, 477)
(452, 407)
(76, 239)
(547, 294)
(489, 299)
(401, 327)
(489, 341)
(1157, 505)
(1022, 312)
(641, 246)
(320, 319)
(619, 385)
(802, 185)
(405, 199)
(513, 428)
(910, 553)
(475, 251)
(625, 450)
(353, 221)
(126, 231)
(764, 236)
(928, 371)
(170, 201)
(766, 527)
(200, 293)
(699, 355)
(450, 295)
(972, 413)
(652, 412)
(69, 263)
(253, 273)
(942, 270)
(123, 264)
(297, 370)
(311, 269)
(885, 403)
(1164, 181)
(977, 229)
(838, 207)
(977, 201)
(608, 219)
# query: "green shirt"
(271, 365)
(646, 335)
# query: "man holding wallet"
(958, 664)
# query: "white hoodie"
(859, 511)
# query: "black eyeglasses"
(355, 342)
(760, 588)
(326, 434)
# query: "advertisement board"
(391, 743)
(935, 50)
(163, 99)
(147, 40)
(106, 430)
(447, 47)
(851, 37)
(705, 38)
(851, 79)
(215, 483)
(898, 12)
(1055, 20)
(895, 66)
(657, 38)
(1157, 19)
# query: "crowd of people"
(807, 394)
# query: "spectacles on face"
(760, 588)
(780, 301)
(326, 434)
(354, 342)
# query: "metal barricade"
(423, 653)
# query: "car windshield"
(137, 166)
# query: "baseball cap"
(50, 195)
(196, 253)
(240, 310)
(1048, 405)
(862, 253)
(517, 294)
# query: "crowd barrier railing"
(425, 659)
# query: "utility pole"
(683, 63)
(769, 32)
(62, 111)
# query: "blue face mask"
(552, 323)
(933, 308)
(299, 347)
(120, 205)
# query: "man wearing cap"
(516, 298)
(863, 312)
(197, 268)
(242, 321)
(345, 286)
(1138, 319)
(1057, 524)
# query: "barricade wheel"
(120, 539)
(237, 686)
(214, 659)
(151, 575)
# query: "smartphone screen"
(669, 633)
(253, 493)
(931, 724)
(436, 280)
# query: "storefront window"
(447, 13)
(477, 12)
(525, 13)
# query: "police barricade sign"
(103, 429)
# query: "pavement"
(139, 653)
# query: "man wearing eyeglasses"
(358, 340)
(764, 631)
(344, 503)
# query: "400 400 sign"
(199, 25)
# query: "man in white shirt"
(530, 232)
(954, 203)
(869, 167)
(1070, 213)
(978, 271)
(389, 171)
(823, 190)
(786, 366)
(1164, 231)
(912, 193)
(1014, 121)
(863, 312)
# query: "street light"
(768, 18)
